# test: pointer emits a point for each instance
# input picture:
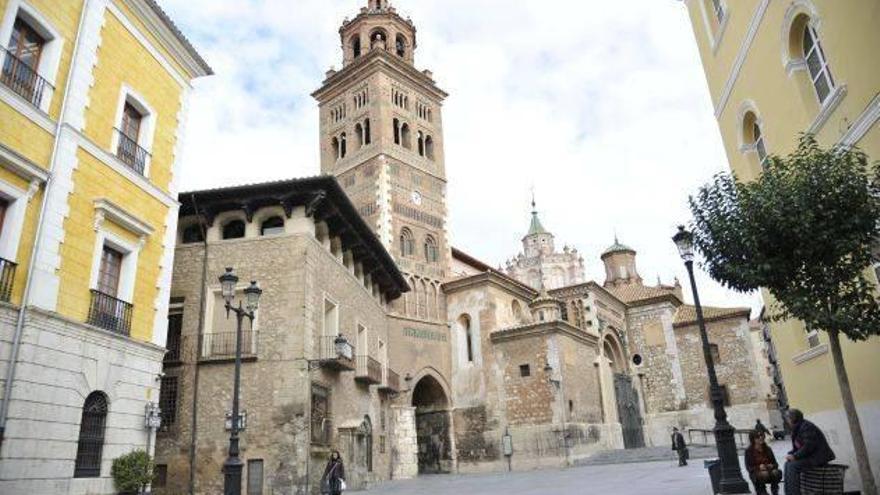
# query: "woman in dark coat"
(761, 465)
(334, 475)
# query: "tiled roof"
(631, 293)
(617, 247)
(687, 314)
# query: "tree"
(803, 231)
(132, 472)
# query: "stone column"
(405, 448)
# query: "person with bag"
(761, 465)
(333, 481)
(680, 447)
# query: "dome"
(617, 247)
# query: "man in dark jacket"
(679, 446)
(809, 449)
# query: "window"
(429, 147)
(131, 122)
(718, 8)
(813, 338)
(820, 74)
(367, 137)
(359, 135)
(4, 205)
(421, 143)
(109, 272)
(342, 147)
(320, 413)
(255, 477)
(172, 343)
(432, 253)
(168, 401)
(234, 229)
(465, 323)
(272, 226)
(356, 46)
(405, 137)
(331, 318)
(334, 143)
(22, 61)
(759, 144)
(193, 234)
(725, 395)
(160, 475)
(400, 46)
(396, 131)
(715, 353)
(525, 370)
(407, 242)
(91, 437)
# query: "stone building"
(528, 366)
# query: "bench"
(823, 480)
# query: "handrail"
(110, 313)
(131, 153)
(22, 78)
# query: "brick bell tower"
(382, 137)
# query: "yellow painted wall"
(24, 136)
(787, 106)
(27, 235)
(94, 180)
(123, 60)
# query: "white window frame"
(128, 271)
(715, 35)
(13, 222)
(147, 129)
(824, 69)
(210, 295)
(365, 350)
(50, 57)
(324, 302)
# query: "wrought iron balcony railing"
(110, 313)
(131, 153)
(369, 370)
(22, 78)
(222, 344)
(332, 356)
(7, 277)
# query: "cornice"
(491, 277)
(371, 63)
(171, 38)
(21, 166)
(555, 327)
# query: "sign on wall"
(424, 334)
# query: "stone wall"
(649, 334)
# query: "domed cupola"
(620, 265)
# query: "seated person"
(810, 449)
(761, 465)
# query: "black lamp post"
(731, 476)
(233, 465)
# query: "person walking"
(679, 446)
(761, 465)
(333, 480)
(760, 428)
(809, 449)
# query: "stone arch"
(797, 16)
(429, 147)
(612, 349)
(405, 136)
(400, 45)
(378, 39)
(431, 399)
(356, 45)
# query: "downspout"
(203, 288)
(41, 220)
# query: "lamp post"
(731, 476)
(233, 465)
(557, 387)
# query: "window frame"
(13, 220)
(824, 70)
(165, 396)
(91, 470)
(52, 49)
(146, 130)
(128, 269)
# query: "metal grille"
(7, 276)
(91, 437)
(823, 479)
(110, 313)
(222, 344)
(255, 477)
(168, 401)
(130, 153)
(22, 78)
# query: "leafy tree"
(132, 472)
(803, 231)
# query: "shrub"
(132, 472)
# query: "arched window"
(400, 46)
(193, 234)
(517, 311)
(407, 242)
(378, 40)
(759, 144)
(272, 226)
(817, 64)
(342, 145)
(367, 137)
(396, 131)
(432, 254)
(405, 138)
(91, 437)
(233, 230)
(429, 147)
(356, 46)
(359, 135)
(753, 137)
(465, 322)
(421, 143)
(335, 144)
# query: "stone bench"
(823, 480)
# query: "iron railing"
(110, 313)
(22, 78)
(330, 357)
(369, 370)
(7, 277)
(703, 437)
(390, 381)
(222, 344)
(131, 153)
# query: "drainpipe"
(195, 403)
(41, 220)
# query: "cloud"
(601, 106)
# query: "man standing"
(679, 446)
(809, 449)
(760, 428)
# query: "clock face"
(416, 197)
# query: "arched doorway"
(432, 425)
(627, 397)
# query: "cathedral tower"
(382, 137)
(620, 265)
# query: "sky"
(599, 107)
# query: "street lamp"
(233, 465)
(557, 386)
(731, 476)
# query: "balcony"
(221, 345)
(390, 382)
(23, 79)
(368, 370)
(110, 313)
(130, 153)
(333, 356)
(7, 277)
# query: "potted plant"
(132, 472)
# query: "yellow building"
(93, 101)
(777, 68)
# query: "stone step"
(646, 454)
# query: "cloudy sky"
(601, 106)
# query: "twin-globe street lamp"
(731, 476)
(233, 465)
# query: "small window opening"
(234, 230)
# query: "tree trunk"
(869, 487)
